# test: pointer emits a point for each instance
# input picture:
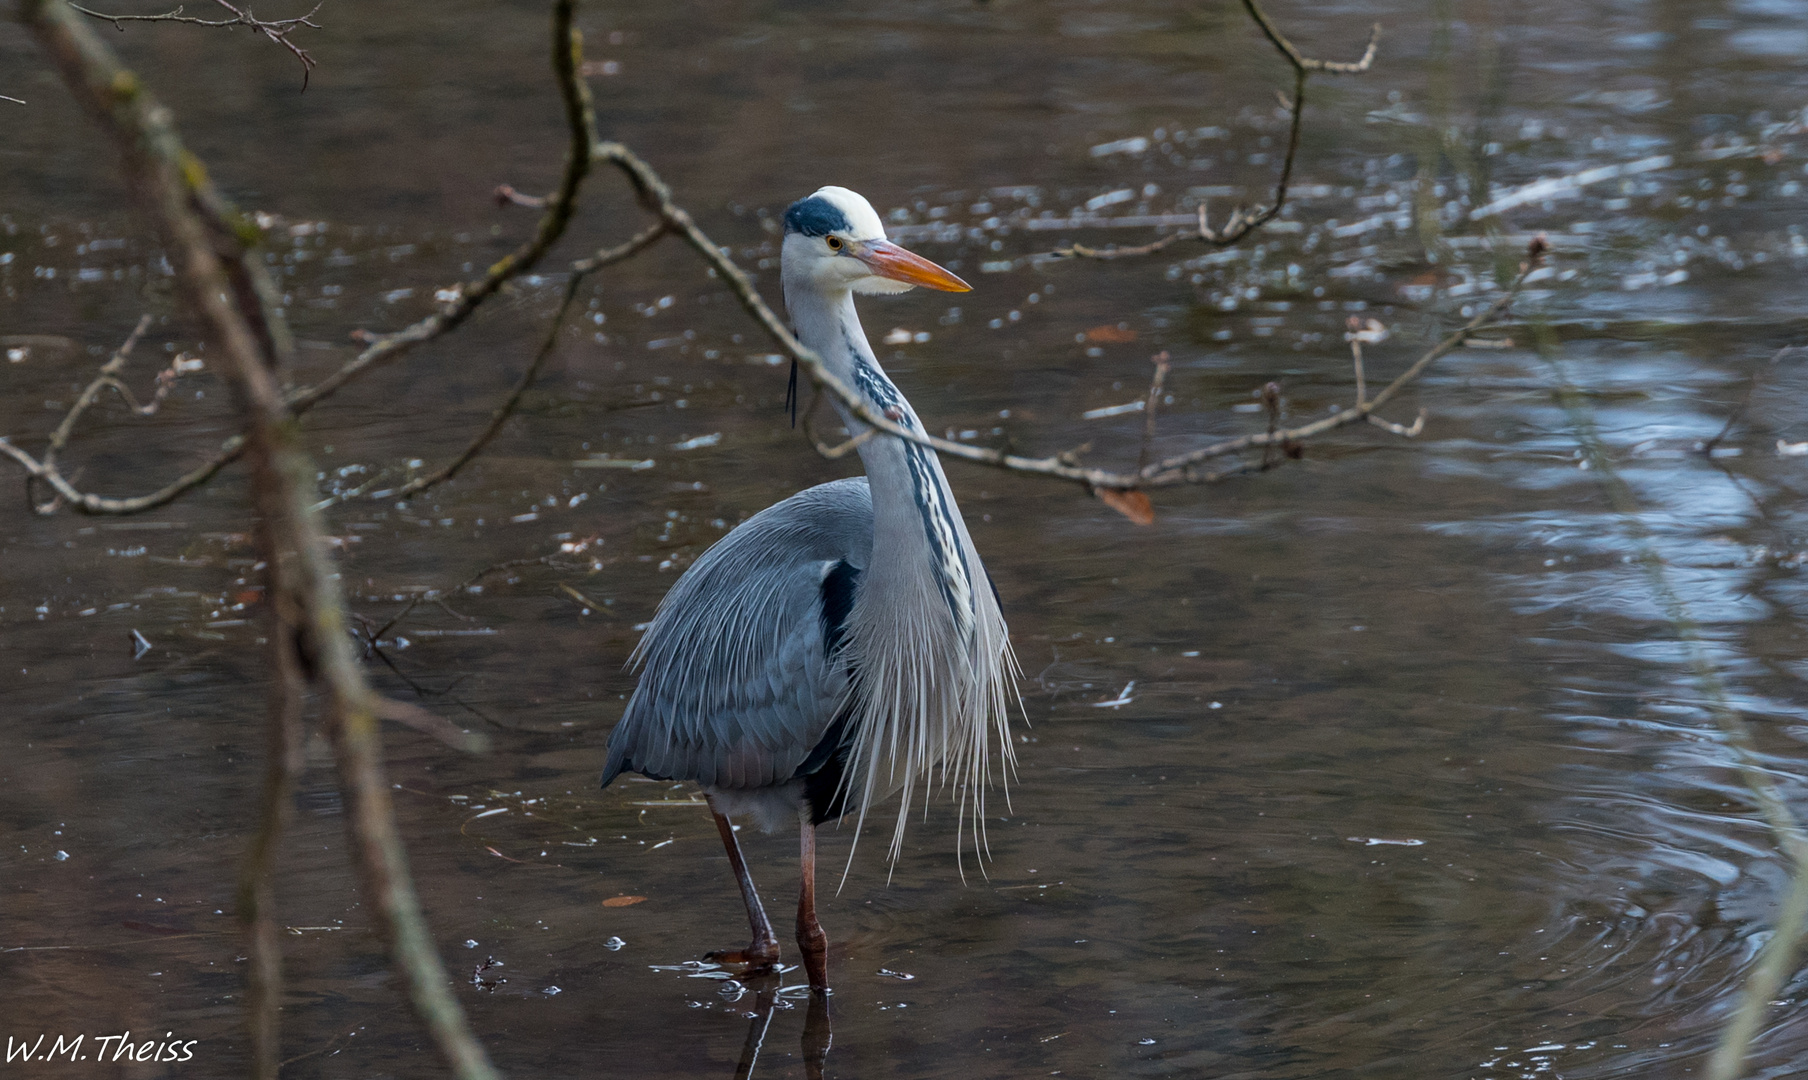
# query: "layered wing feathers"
(739, 679)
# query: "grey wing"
(741, 674)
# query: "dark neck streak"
(928, 490)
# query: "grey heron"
(844, 644)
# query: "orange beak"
(888, 260)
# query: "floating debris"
(613, 463)
(1110, 198)
(1134, 145)
(1113, 410)
(1123, 698)
(1559, 187)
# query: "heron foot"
(759, 958)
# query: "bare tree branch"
(90, 503)
(229, 292)
(277, 30)
(1751, 387)
(1160, 360)
(655, 197)
(1174, 469)
(257, 877)
(580, 270)
(1302, 63)
(1242, 222)
(379, 349)
(108, 376)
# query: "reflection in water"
(817, 1036)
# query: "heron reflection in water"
(844, 644)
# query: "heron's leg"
(763, 952)
(810, 937)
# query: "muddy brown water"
(1418, 774)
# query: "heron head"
(834, 240)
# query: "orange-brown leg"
(810, 937)
(762, 954)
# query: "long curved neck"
(916, 523)
(925, 634)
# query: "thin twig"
(257, 884)
(277, 30)
(1271, 408)
(107, 376)
(1160, 360)
(379, 349)
(1356, 336)
(435, 596)
(231, 294)
(430, 723)
(655, 197)
(1242, 222)
(1171, 470)
(89, 503)
(501, 415)
(506, 195)
(1303, 63)
(831, 452)
(1751, 388)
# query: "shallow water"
(1417, 775)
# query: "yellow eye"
(834, 243)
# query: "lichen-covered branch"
(228, 292)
